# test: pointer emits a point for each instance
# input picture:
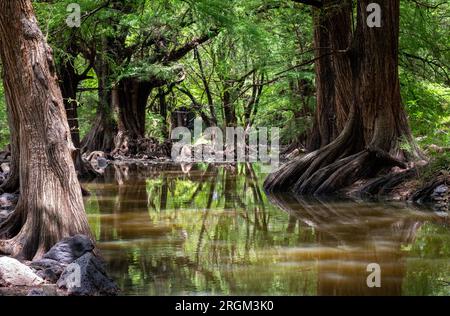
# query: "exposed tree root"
(326, 171)
(424, 195)
(385, 184)
(100, 137)
(302, 168)
(127, 146)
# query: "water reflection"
(167, 229)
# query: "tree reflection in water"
(172, 229)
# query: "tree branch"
(186, 48)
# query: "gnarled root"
(11, 247)
(385, 184)
(424, 195)
(321, 173)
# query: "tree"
(332, 33)
(50, 206)
(376, 135)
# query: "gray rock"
(70, 249)
(53, 263)
(4, 213)
(48, 269)
(8, 200)
(102, 162)
(86, 276)
(441, 189)
(45, 290)
(15, 273)
(5, 168)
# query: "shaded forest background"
(249, 63)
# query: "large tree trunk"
(50, 206)
(132, 102)
(332, 33)
(376, 125)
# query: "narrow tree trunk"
(228, 106)
(101, 136)
(50, 206)
(69, 81)
(69, 84)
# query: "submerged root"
(387, 183)
(427, 193)
(326, 171)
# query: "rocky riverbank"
(71, 267)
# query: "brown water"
(208, 230)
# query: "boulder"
(86, 276)
(70, 249)
(48, 269)
(53, 263)
(15, 273)
(72, 265)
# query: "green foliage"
(258, 43)
(424, 59)
(154, 126)
(439, 163)
(428, 106)
(147, 71)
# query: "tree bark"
(332, 33)
(50, 206)
(132, 98)
(69, 85)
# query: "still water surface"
(167, 229)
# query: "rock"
(46, 290)
(86, 276)
(102, 162)
(36, 292)
(442, 189)
(5, 168)
(8, 200)
(70, 249)
(48, 269)
(15, 273)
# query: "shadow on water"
(168, 229)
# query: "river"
(167, 229)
